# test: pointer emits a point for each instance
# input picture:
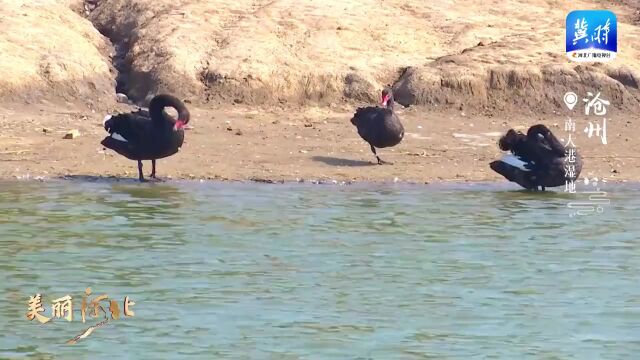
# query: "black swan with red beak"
(537, 159)
(379, 126)
(147, 135)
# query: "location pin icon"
(570, 99)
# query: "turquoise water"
(255, 271)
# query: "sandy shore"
(501, 59)
(238, 143)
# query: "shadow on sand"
(342, 162)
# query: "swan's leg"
(153, 172)
(380, 161)
(140, 176)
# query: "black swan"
(147, 135)
(537, 159)
(379, 126)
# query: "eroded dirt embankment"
(49, 51)
(496, 56)
(500, 56)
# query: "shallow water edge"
(449, 184)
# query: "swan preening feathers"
(537, 159)
(147, 135)
(379, 126)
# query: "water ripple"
(291, 271)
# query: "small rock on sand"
(122, 98)
(72, 134)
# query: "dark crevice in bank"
(121, 46)
(120, 64)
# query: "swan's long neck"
(390, 103)
(157, 105)
(556, 145)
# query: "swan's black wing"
(365, 115)
(514, 169)
(370, 122)
(132, 128)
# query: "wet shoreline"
(445, 185)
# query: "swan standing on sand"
(536, 159)
(147, 135)
(379, 126)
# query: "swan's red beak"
(384, 100)
(179, 125)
